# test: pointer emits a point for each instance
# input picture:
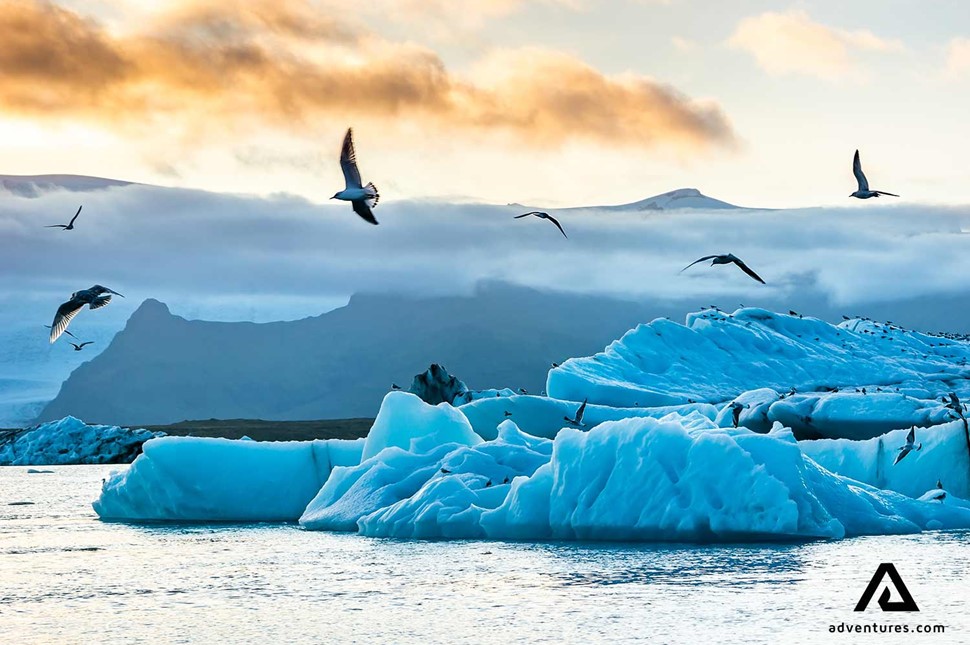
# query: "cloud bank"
(207, 67)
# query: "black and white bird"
(362, 198)
(78, 348)
(578, 419)
(547, 216)
(860, 177)
(727, 258)
(70, 225)
(909, 446)
(94, 297)
(736, 409)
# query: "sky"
(545, 102)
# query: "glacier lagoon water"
(67, 577)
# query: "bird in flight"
(78, 348)
(727, 258)
(362, 198)
(93, 297)
(70, 225)
(864, 192)
(547, 216)
(909, 446)
(578, 419)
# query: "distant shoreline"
(260, 430)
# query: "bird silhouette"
(93, 297)
(547, 216)
(578, 419)
(70, 225)
(909, 446)
(863, 192)
(78, 348)
(726, 258)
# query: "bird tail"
(372, 195)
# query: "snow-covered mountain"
(36, 185)
(682, 198)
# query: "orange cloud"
(218, 67)
(793, 43)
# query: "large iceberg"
(655, 457)
(71, 441)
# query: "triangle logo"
(905, 604)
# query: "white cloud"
(958, 57)
(793, 43)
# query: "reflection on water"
(66, 577)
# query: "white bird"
(909, 446)
(578, 419)
(864, 192)
(547, 216)
(726, 258)
(93, 297)
(362, 198)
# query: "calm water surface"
(66, 577)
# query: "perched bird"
(506, 480)
(488, 483)
(547, 216)
(909, 446)
(555, 365)
(362, 198)
(70, 225)
(727, 258)
(78, 348)
(66, 332)
(395, 386)
(578, 419)
(939, 483)
(93, 297)
(864, 192)
(445, 471)
(522, 390)
(736, 412)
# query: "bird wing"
(558, 225)
(857, 171)
(744, 267)
(348, 162)
(71, 223)
(523, 215)
(581, 411)
(706, 257)
(902, 453)
(911, 437)
(100, 302)
(880, 192)
(65, 313)
(87, 342)
(362, 209)
(56, 226)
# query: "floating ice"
(71, 441)
(204, 479)
(717, 356)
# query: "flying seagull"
(70, 225)
(726, 258)
(363, 198)
(93, 297)
(909, 447)
(864, 192)
(578, 420)
(66, 332)
(547, 216)
(78, 348)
